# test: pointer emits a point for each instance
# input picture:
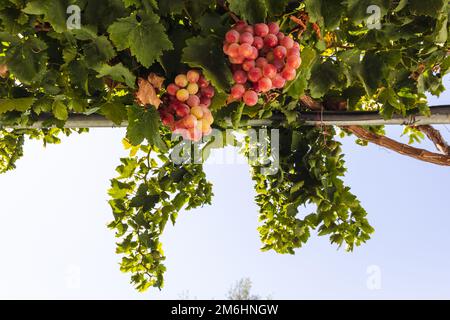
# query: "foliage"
(54, 71)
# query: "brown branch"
(311, 104)
(403, 149)
(436, 137)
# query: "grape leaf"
(54, 12)
(118, 73)
(115, 111)
(27, 61)
(144, 123)
(251, 10)
(60, 110)
(20, 104)
(143, 34)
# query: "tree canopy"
(79, 57)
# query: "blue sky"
(55, 243)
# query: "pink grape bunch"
(186, 106)
(262, 59)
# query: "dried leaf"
(147, 94)
(156, 81)
(3, 70)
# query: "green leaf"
(324, 77)
(115, 111)
(252, 11)
(237, 115)
(168, 7)
(99, 50)
(54, 12)
(432, 8)
(28, 60)
(144, 123)
(206, 53)
(143, 35)
(60, 110)
(20, 104)
(357, 9)
(276, 7)
(118, 73)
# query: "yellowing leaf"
(147, 94)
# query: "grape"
(240, 26)
(192, 88)
(270, 71)
(240, 77)
(237, 91)
(190, 121)
(197, 112)
(265, 84)
(278, 82)
(250, 98)
(232, 36)
(182, 95)
(233, 50)
(261, 29)
(182, 110)
(249, 29)
(208, 92)
(172, 89)
(280, 36)
(255, 87)
(246, 37)
(278, 63)
(168, 119)
(181, 80)
(258, 42)
(271, 40)
(287, 42)
(294, 51)
(280, 52)
(248, 65)
(205, 101)
(294, 62)
(245, 50)
(202, 82)
(274, 28)
(193, 101)
(205, 127)
(193, 76)
(207, 116)
(237, 61)
(186, 105)
(255, 74)
(226, 47)
(262, 59)
(194, 134)
(288, 74)
(254, 54)
(261, 62)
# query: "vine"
(122, 62)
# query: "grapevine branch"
(436, 137)
(383, 141)
(404, 149)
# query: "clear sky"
(55, 244)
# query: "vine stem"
(232, 15)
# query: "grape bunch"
(262, 59)
(186, 106)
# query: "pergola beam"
(439, 115)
